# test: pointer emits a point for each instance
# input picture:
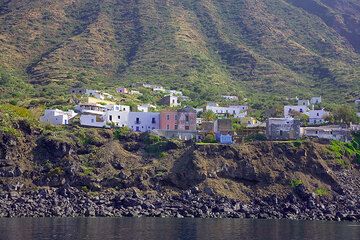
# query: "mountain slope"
(208, 47)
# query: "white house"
(57, 117)
(230, 98)
(300, 109)
(144, 121)
(134, 92)
(174, 92)
(121, 108)
(303, 102)
(91, 108)
(97, 94)
(171, 101)
(237, 111)
(315, 100)
(93, 120)
(117, 118)
(145, 107)
(328, 132)
(317, 116)
(158, 89)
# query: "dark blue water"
(155, 228)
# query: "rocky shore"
(71, 202)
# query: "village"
(211, 123)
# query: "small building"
(158, 89)
(223, 126)
(145, 107)
(249, 122)
(317, 117)
(134, 92)
(328, 132)
(236, 111)
(171, 101)
(57, 117)
(120, 108)
(289, 110)
(76, 91)
(183, 119)
(122, 90)
(226, 139)
(93, 120)
(315, 100)
(230, 98)
(283, 129)
(97, 94)
(144, 121)
(91, 108)
(174, 92)
(303, 102)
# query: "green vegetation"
(209, 138)
(342, 150)
(204, 48)
(295, 183)
(122, 133)
(322, 192)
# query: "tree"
(345, 114)
(304, 119)
(209, 115)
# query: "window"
(118, 117)
(176, 127)
(301, 110)
(317, 114)
(187, 118)
(92, 120)
(233, 111)
(110, 118)
(153, 120)
(187, 128)
(281, 132)
(137, 120)
(168, 117)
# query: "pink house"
(183, 119)
(122, 90)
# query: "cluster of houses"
(184, 123)
(289, 127)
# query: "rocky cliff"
(87, 167)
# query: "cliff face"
(97, 162)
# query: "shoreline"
(71, 202)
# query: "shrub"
(122, 133)
(151, 139)
(322, 192)
(295, 183)
(85, 189)
(210, 138)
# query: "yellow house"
(249, 122)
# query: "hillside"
(245, 47)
